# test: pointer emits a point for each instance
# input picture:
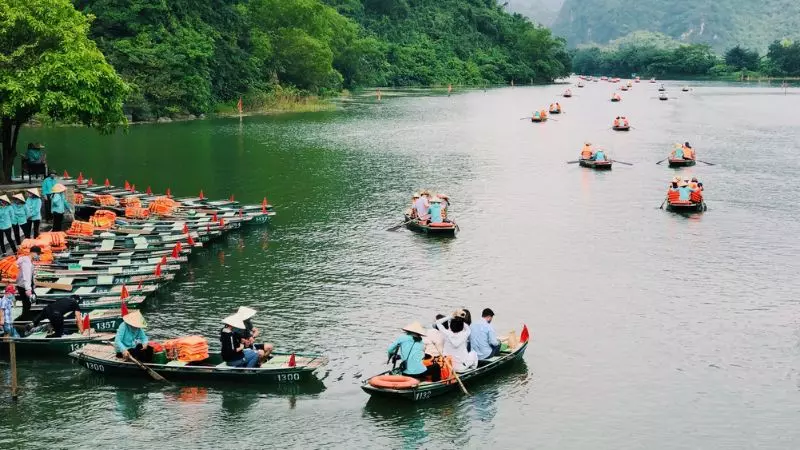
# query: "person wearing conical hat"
(33, 208)
(684, 191)
(58, 206)
(414, 199)
(19, 217)
(131, 340)
(435, 210)
(587, 151)
(6, 216)
(410, 351)
(249, 333)
(235, 352)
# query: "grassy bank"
(277, 101)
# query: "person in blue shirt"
(47, 192)
(483, 338)
(6, 317)
(678, 152)
(131, 339)
(33, 207)
(411, 350)
(19, 217)
(435, 210)
(58, 206)
(599, 155)
(5, 224)
(684, 191)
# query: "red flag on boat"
(133, 188)
(169, 193)
(127, 186)
(176, 250)
(158, 270)
(221, 222)
(239, 105)
(107, 183)
(123, 293)
(231, 199)
(241, 213)
(87, 324)
(202, 197)
(523, 337)
(149, 191)
(80, 177)
(124, 308)
(189, 240)
(214, 217)
(292, 362)
(264, 206)
(185, 228)
(91, 182)
(66, 174)
(163, 260)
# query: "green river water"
(650, 329)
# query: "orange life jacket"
(673, 195)
(586, 153)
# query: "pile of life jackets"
(131, 201)
(187, 348)
(9, 268)
(56, 239)
(103, 219)
(163, 206)
(105, 200)
(79, 228)
(133, 212)
(621, 122)
(696, 196)
(46, 256)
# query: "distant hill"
(719, 23)
(544, 12)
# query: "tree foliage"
(785, 57)
(740, 58)
(49, 66)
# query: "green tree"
(785, 55)
(740, 58)
(49, 66)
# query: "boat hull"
(427, 391)
(681, 162)
(596, 165)
(415, 226)
(686, 207)
(621, 128)
(39, 346)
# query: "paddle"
(397, 227)
(149, 371)
(58, 286)
(621, 162)
(710, 164)
(662, 204)
(662, 160)
(450, 367)
(573, 162)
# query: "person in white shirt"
(455, 343)
(422, 205)
(434, 340)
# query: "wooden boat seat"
(105, 279)
(176, 363)
(84, 290)
(277, 360)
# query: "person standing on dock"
(33, 205)
(19, 217)
(6, 317)
(26, 277)
(47, 192)
(58, 206)
(5, 225)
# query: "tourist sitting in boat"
(677, 152)
(234, 352)
(26, 275)
(688, 151)
(685, 193)
(422, 205)
(445, 204)
(695, 185)
(54, 312)
(433, 339)
(587, 151)
(483, 339)
(410, 349)
(599, 155)
(414, 199)
(131, 340)
(250, 332)
(435, 210)
(537, 115)
(543, 114)
(6, 316)
(456, 337)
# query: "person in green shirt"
(33, 206)
(5, 225)
(35, 154)
(47, 193)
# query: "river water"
(650, 329)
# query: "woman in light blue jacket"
(33, 206)
(19, 216)
(5, 224)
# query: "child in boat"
(411, 350)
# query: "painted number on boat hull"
(96, 367)
(423, 395)
(288, 377)
(108, 325)
(73, 347)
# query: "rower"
(445, 204)
(410, 349)
(131, 340)
(414, 199)
(435, 210)
(599, 155)
(688, 151)
(421, 205)
(587, 151)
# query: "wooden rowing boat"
(538, 119)
(100, 279)
(555, 111)
(110, 255)
(681, 162)
(447, 229)
(70, 269)
(102, 358)
(686, 206)
(38, 345)
(621, 128)
(111, 302)
(428, 390)
(596, 165)
(94, 292)
(615, 99)
(99, 319)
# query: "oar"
(710, 164)
(573, 162)
(621, 162)
(662, 160)
(662, 203)
(453, 371)
(397, 227)
(149, 371)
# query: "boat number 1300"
(288, 377)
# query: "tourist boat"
(428, 390)
(99, 319)
(637, 80)
(81, 267)
(126, 241)
(663, 97)
(102, 358)
(596, 165)
(111, 256)
(686, 206)
(94, 292)
(100, 279)
(616, 98)
(37, 345)
(623, 88)
(446, 229)
(662, 89)
(555, 111)
(680, 162)
(567, 94)
(685, 89)
(538, 119)
(621, 127)
(580, 85)
(653, 80)
(110, 302)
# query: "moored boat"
(427, 390)
(681, 162)
(446, 229)
(37, 345)
(277, 370)
(597, 165)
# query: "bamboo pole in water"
(12, 355)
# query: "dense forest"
(721, 24)
(187, 56)
(655, 54)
